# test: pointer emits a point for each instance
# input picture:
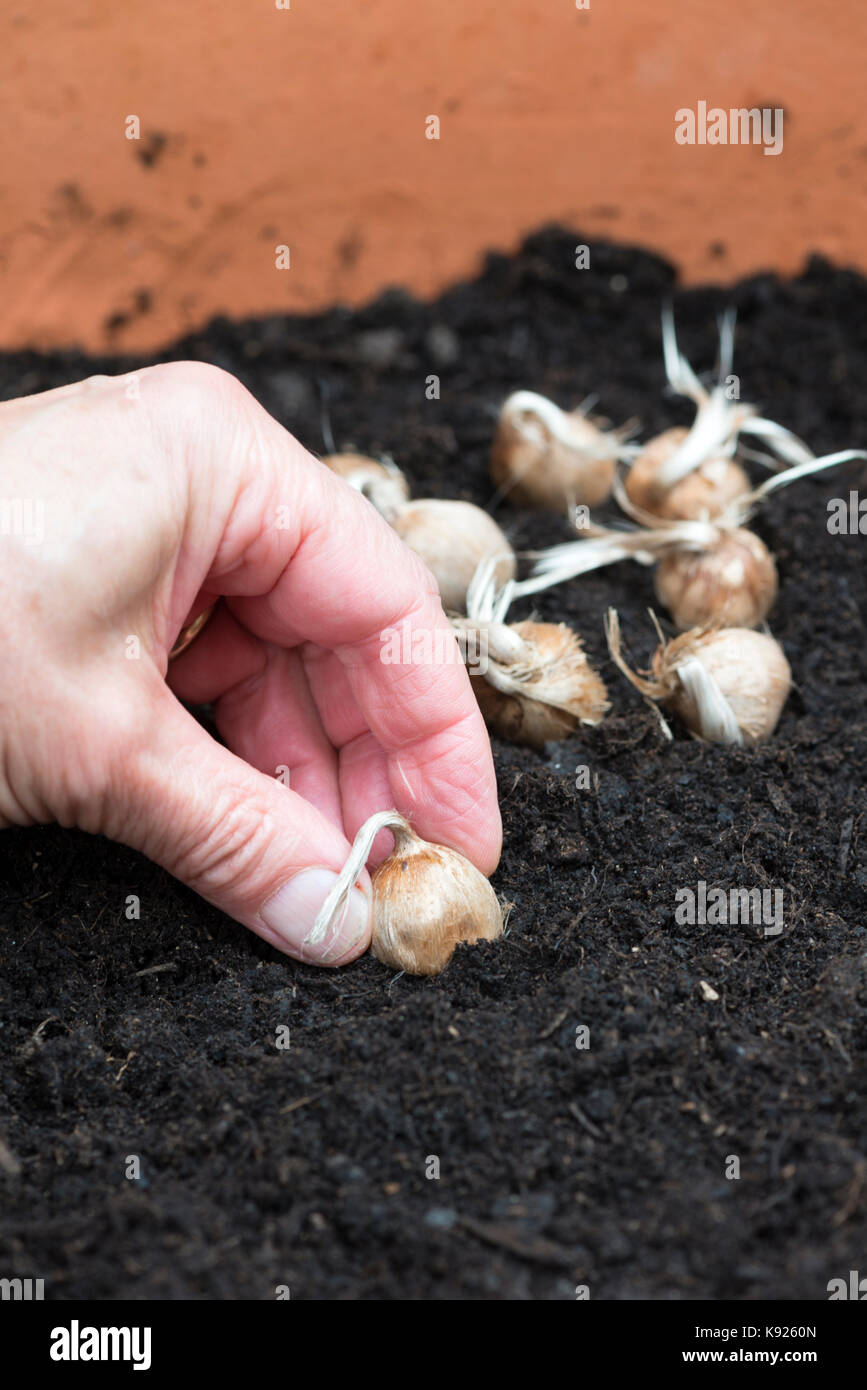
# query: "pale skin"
(159, 493)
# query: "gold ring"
(191, 632)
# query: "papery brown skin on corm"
(453, 538)
(562, 672)
(734, 582)
(545, 472)
(749, 668)
(426, 900)
(706, 492)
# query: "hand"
(127, 505)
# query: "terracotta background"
(306, 127)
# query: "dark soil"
(558, 1166)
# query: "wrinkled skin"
(159, 492)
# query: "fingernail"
(292, 910)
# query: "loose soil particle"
(559, 1166)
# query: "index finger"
(307, 559)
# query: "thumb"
(244, 841)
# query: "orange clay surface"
(305, 127)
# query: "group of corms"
(687, 499)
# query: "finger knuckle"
(226, 849)
(200, 387)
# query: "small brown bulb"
(727, 685)
(704, 493)
(426, 899)
(747, 669)
(453, 538)
(734, 582)
(383, 484)
(546, 457)
(547, 694)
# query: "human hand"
(154, 494)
